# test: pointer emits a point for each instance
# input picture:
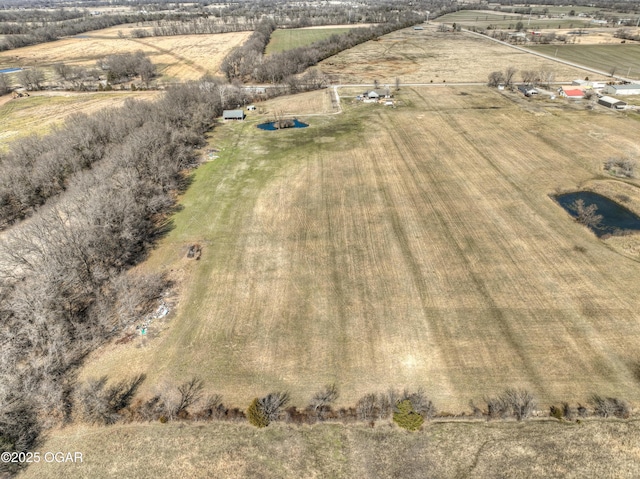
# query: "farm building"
(233, 115)
(628, 89)
(527, 90)
(572, 93)
(375, 94)
(588, 84)
(610, 102)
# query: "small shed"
(233, 115)
(611, 102)
(628, 89)
(527, 90)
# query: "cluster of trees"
(529, 77)
(626, 34)
(124, 66)
(99, 190)
(502, 78)
(52, 31)
(76, 77)
(241, 61)
(621, 166)
(194, 26)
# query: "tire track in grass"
(405, 146)
(339, 352)
(415, 272)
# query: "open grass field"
(186, 57)
(288, 39)
(41, 111)
(405, 247)
(427, 55)
(538, 449)
(624, 58)
(482, 19)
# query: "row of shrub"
(99, 404)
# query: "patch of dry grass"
(427, 55)
(538, 449)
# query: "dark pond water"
(615, 217)
(270, 127)
(10, 70)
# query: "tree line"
(100, 190)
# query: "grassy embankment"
(538, 449)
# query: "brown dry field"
(427, 55)
(185, 57)
(536, 449)
(405, 247)
(309, 103)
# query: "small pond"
(270, 126)
(10, 70)
(615, 217)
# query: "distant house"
(233, 115)
(611, 102)
(376, 94)
(628, 89)
(418, 28)
(251, 107)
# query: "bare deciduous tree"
(324, 398)
(272, 404)
(586, 215)
(495, 79)
(189, 393)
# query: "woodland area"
(101, 188)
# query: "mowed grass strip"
(405, 247)
(624, 60)
(536, 449)
(288, 39)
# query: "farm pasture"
(483, 19)
(425, 56)
(184, 57)
(41, 111)
(407, 247)
(624, 58)
(290, 38)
